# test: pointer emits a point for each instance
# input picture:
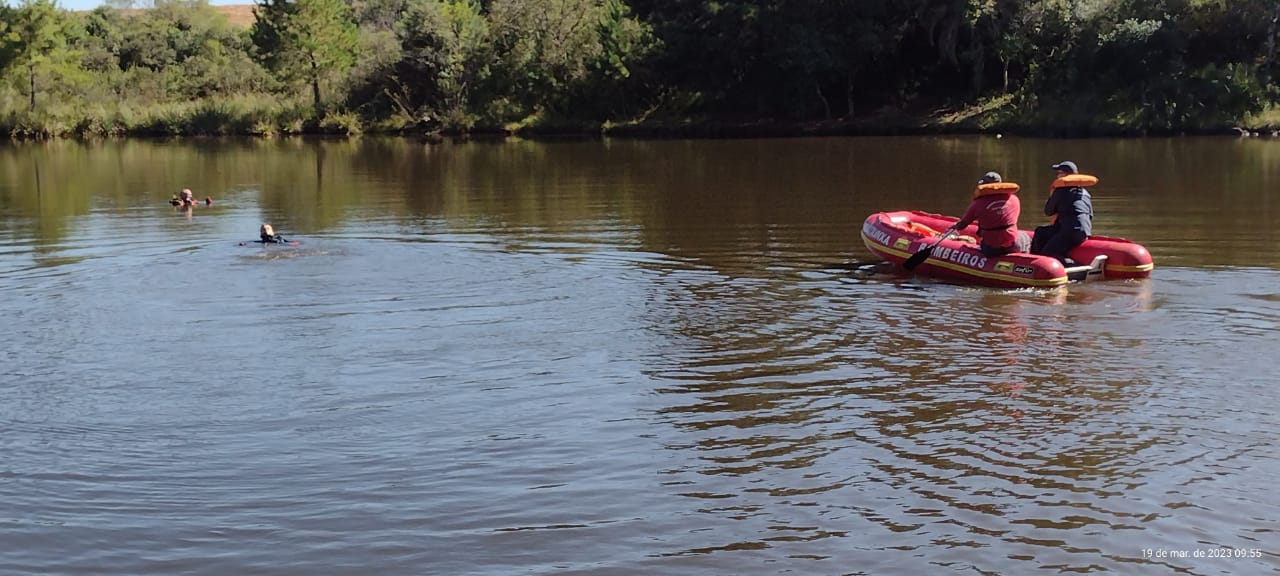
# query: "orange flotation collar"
(1073, 180)
(926, 231)
(921, 229)
(995, 188)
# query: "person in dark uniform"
(1071, 210)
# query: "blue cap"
(1066, 165)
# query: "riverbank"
(264, 116)
(996, 116)
(907, 126)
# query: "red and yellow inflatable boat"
(895, 236)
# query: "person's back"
(995, 207)
(1071, 203)
(1071, 208)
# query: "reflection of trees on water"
(728, 203)
(33, 192)
(681, 196)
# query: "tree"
(305, 39)
(546, 50)
(36, 40)
(464, 42)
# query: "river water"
(625, 357)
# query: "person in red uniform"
(995, 207)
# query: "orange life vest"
(995, 188)
(1071, 180)
(921, 229)
(1068, 181)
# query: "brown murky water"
(624, 357)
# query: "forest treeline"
(179, 67)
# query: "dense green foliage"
(309, 40)
(1048, 66)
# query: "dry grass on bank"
(239, 15)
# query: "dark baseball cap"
(1066, 165)
(990, 177)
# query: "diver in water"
(268, 235)
(184, 199)
(187, 199)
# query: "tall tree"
(545, 45)
(305, 39)
(37, 41)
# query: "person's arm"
(970, 214)
(1051, 205)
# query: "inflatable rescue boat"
(896, 236)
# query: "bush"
(346, 123)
